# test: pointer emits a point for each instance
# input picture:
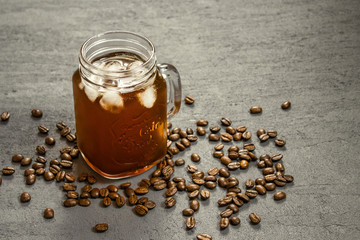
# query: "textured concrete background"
(231, 55)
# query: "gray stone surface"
(231, 55)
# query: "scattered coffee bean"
(246, 135)
(43, 129)
(141, 210)
(254, 218)
(179, 162)
(60, 175)
(189, 100)
(188, 212)
(276, 157)
(260, 189)
(70, 137)
(243, 197)
(49, 141)
(235, 221)
(219, 147)
(272, 133)
(224, 223)
(192, 168)
(195, 157)
(107, 201)
(215, 129)
(40, 171)
(25, 197)
(170, 202)
(226, 213)
(48, 213)
(185, 142)
(5, 116)
(36, 113)
(70, 202)
(41, 150)
(279, 167)
(270, 186)
(17, 158)
(249, 183)
(8, 171)
(244, 164)
(264, 137)
(286, 105)
(190, 222)
(225, 121)
(280, 142)
(193, 194)
(288, 178)
(120, 201)
(204, 194)
(202, 123)
(150, 204)
(255, 109)
(260, 132)
(204, 236)
(226, 137)
(101, 227)
(200, 131)
(252, 193)
(214, 137)
(194, 205)
(174, 137)
(192, 138)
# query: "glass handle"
(173, 85)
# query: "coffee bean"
(101, 227)
(268, 162)
(61, 125)
(210, 185)
(25, 197)
(260, 189)
(249, 183)
(270, 186)
(5, 116)
(159, 185)
(65, 131)
(29, 171)
(230, 130)
(254, 218)
(74, 153)
(268, 170)
(70, 137)
(43, 129)
(204, 236)
(225, 160)
(233, 165)
(198, 181)
(50, 141)
(237, 136)
(72, 194)
(8, 171)
(193, 194)
(178, 179)
(66, 163)
(197, 174)
(200, 131)
(192, 138)
(142, 200)
(48, 213)
(215, 129)
(204, 194)
(218, 154)
(179, 162)
(17, 158)
(226, 213)
(244, 197)
(141, 210)
(272, 133)
(222, 182)
(246, 135)
(214, 137)
(286, 105)
(190, 222)
(36, 113)
(280, 142)
(279, 167)
(150, 204)
(174, 137)
(264, 137)
(233, 207)
(202, 123)
(241, 129)
(188, 212)
(237, 201)
(48, 176)
(280, 183)
(235, 221)
(210, 178)
(192, 187)
(173, 150)
(252, 156)
(224, 223)
(244, 164)
(120, 201)
(249, 146)
(125, 185)
(234, 189)
(276, 157)
(170, 202)
(189, 100)
(171, 191)
(85, 195)
(252, 193)
(195, 157)
(37, 165)
(176, 130)
(255, 109)
(224, 201)
(224, 172)
(70, 202)
(270, 177)
(234, 155)
(107, 201)
(260, 132)
(288, 178)
(189, 131)
(219, 147)
(69, 177)
(185, 142)
(69, 187)
(192, 168)
(213, 171)
(55, 169)
(40, 171)
(65, 150)
(225, 121)
(194, 205)
(226, 137)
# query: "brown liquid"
(121, 136)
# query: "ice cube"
(81, 86)
(133, 65)
(147, 98)
(112, 101)
(91, 93)
(116, 65)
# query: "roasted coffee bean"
(214, 137)
(113, 195)
(215, 129)
(197, 174)
(141, 210)
(150, 204)
(233, 179)
(69, 177)
(87, 188)
(202, 123)
(70, 137)
(65, 156)
(246, 135)
(17, 158)
(65, 131)
(55, 169)
(66, 163)
(145, 183)
(192, 187)
(181, 186)
(260, 189)
(37, 165)
(213, 171)
(70, 202)
(69, 187)
(218, 154)
(168, 143)
(279, 183)
(169, 125)
(268, 170)
(194, 205)
(279, 167)
(74, 153)
(195, 157)
(237, 201)
(192, 138)
(104, 192)
(176, 130)
(272, 133)
(224, 223)
(41, 159)
(192, 168)
(8, 171)
(72, 194)
(178, 179)
(225, 160)
(101, 227)
(249, 146)
(260, 181)
(224, 172)
(174, 137)
(252, 156)
(183, 134)
(179, 162)
(189, 131)
(234, 189)
(235, 221)
(233, 207)
(60, 125)
(200, 131)
(219, 147)
(288, 178)
(244, 156)
(160, 185)
(153, 180)
(107, 202)
(85, 195)
(25, 197)
(48, 213)
(204, 194)
(49, 176)
(189, 100)
(120, 201)
(84, 202)
(142, 200)
(270, 186)
(244, 164)
(203, 236)
(65, 150)
(263, 157)
(280, 142)
(255, 109)
(125, 185)
(185, 142)
(188, 212)
(193, 194)
(210, 185)
(268, 162)
(36, 113)
(233, 148)
(41, 150)
(260, 132)
(198, 181)
(5, 116)
(190, 222)
(276, 157)
(230, 130)
(254, 218)
(286, 105)
(224, 201)
(222, 182)
(225, 121)
(226, 213)
(261, 164)
(231, 194)
(237, 136)
(249, 183)
(29, 171)
(210, 178)
(173, 150)
(171, 191)
(40, 171)
(252, 193)
(233, 165)
(50, 141)
(226, 137)
(141, 190)
(170, 202)
(167, 171)
(233, 155)
(270, 177)
(43, 129)
(264, 137)
(244, 197)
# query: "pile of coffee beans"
(163, 177)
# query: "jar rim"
(106, 71)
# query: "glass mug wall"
(122, 99)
